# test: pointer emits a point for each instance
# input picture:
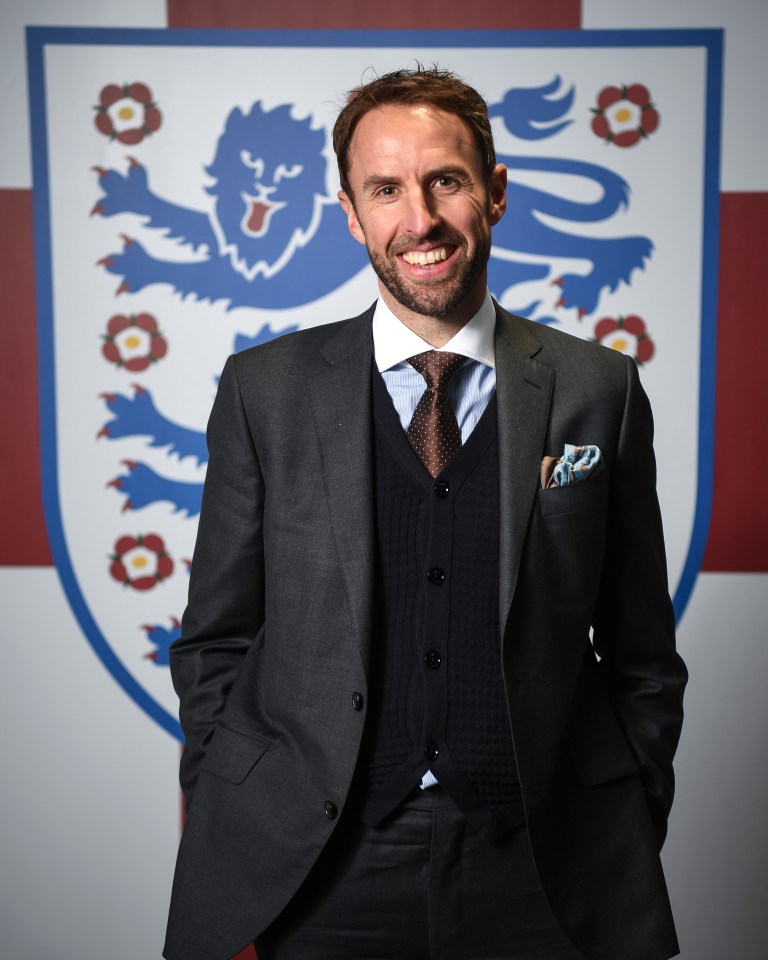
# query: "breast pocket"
(588, 495)
(567, 545)
(232, 754)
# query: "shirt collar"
(393, 342)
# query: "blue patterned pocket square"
(575, 465)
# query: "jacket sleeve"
(634, 625)
(225, 612)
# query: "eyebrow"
(379, 180)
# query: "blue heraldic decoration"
(137, 416)
(161, 638)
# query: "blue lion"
(543, 224)
(528, 227)
(269, 184)
(137, 416)
(269, 176)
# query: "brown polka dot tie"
(433, 431)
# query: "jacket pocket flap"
(232, 754)
(587, 495)
(601, 756)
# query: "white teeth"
(422, 259)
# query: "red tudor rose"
(140, 562)
(624, 115)
(127, 113)
(133, 342)
(627, 335)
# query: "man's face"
(421, 205)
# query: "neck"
(436, 331)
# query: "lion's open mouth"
(255, 222)
(257, 218)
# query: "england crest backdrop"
(89, 792)
(186, 208)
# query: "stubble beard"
(441, 297)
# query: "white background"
(88, 793)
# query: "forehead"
(411, 135)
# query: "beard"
(438, 298)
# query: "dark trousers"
(423, 886)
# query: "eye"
(283, 171)
(445, 183)
(255, 163)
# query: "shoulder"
(554, 343)
(292, 353)
(574, 360)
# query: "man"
(401, 741)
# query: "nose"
(261, 189)
(421, 215)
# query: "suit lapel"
(340, 395)
(524, 395)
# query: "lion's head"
(269, 173)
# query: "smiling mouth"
(423, 258)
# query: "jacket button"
(433, 659)
(431, 752)
(442, 489)
(436, 576)
(357, 701)
(331, 810)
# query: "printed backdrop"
(191, 212)
(103, 396)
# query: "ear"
(352, 222)
(497, 193)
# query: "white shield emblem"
(186, 208)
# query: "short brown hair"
(440, 88)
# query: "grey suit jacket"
(276, 637)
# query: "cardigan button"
(442, 489)
(357, 701)
(330, 809)
(436, 576)
(433, 659)
(431, 751)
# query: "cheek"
(378, 230)
(473, 215)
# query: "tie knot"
(437, 367)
